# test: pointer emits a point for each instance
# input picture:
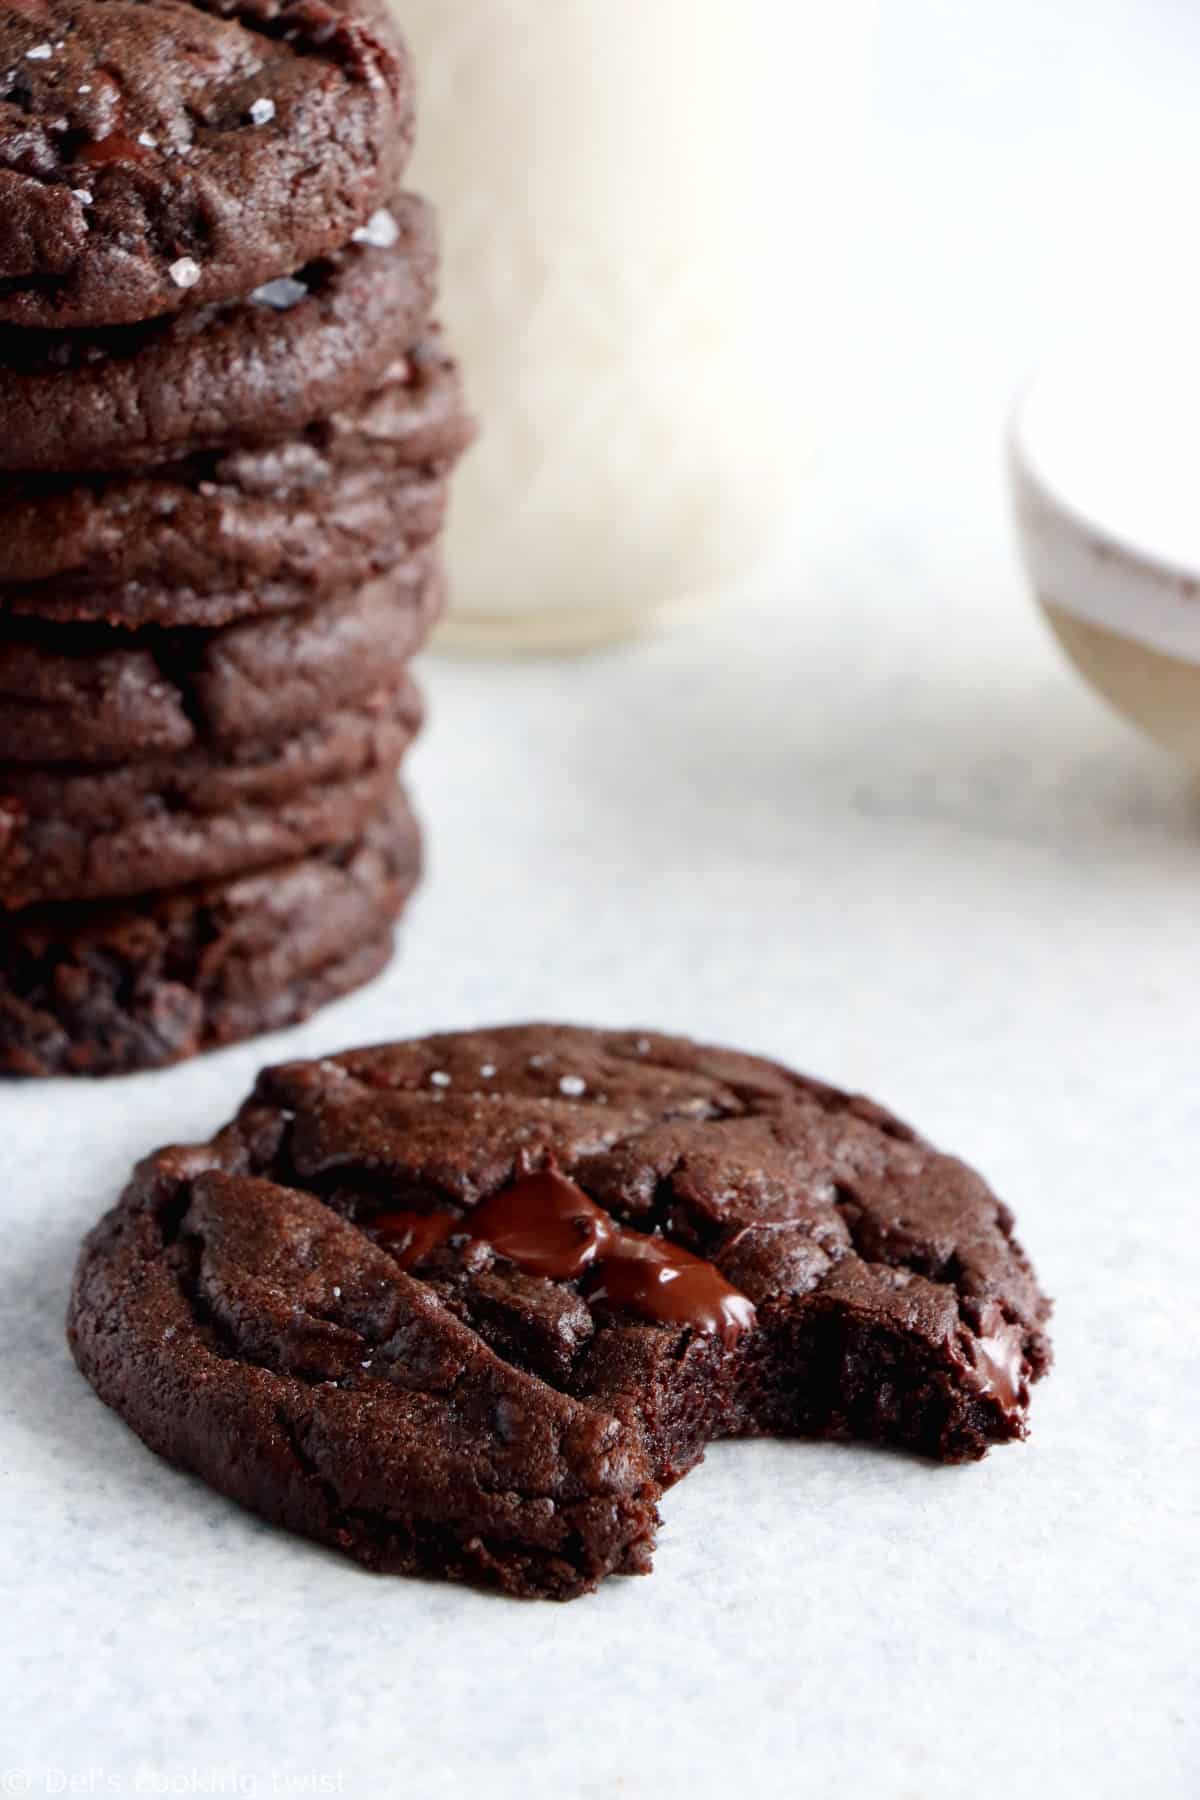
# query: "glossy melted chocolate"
(115, 148)
(998, 1357)
(547, 1226)
(410, 1236)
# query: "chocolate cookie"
(91, 695)
(240, 531)
(155, 153)
(68, 833)
(465, 1305)
(247, 373)
(91, 990)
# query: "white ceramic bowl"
(1105, 457)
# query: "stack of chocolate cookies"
(229, 426)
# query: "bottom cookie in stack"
(91, 989)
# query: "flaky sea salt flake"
(572, 1086)
(381, 231)
(439, 1079)
(262, 112)
(283, 293)
(186, 272)
(40, 53)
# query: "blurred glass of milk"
(642, 206)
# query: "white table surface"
(859, 817)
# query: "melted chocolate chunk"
(998, 1362)
(114, 148)
(662, 1281)
(548, 1227)
(411, 1236)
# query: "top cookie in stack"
(229, 425)
(160, 149)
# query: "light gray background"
(861, 818)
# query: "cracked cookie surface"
(162, 153)
(467, 1304)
